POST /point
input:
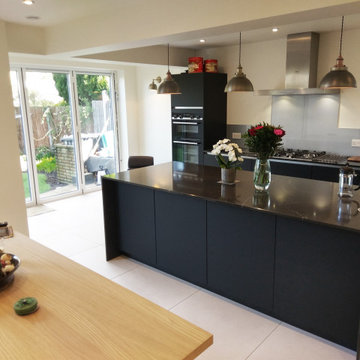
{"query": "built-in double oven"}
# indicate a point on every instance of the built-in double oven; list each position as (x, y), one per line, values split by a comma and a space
(187, 134)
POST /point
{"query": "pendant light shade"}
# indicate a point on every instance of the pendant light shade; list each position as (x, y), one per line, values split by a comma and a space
(239, 82)
(169, 85)
(152, 85)
(339, 77)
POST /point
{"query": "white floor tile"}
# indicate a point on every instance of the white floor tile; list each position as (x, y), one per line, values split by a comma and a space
(237, 330)
(289, 343)
(67, 245)
(156, 286)
(94, 259)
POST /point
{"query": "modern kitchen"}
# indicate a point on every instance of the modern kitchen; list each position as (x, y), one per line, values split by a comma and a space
(286, 249)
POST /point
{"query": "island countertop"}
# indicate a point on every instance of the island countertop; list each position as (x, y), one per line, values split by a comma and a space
(292, 252)
(305, 199)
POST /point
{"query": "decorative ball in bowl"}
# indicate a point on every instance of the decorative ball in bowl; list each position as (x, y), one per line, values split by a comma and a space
(8, 265)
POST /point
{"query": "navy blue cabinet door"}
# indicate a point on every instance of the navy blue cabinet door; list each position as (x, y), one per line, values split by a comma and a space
(181, 236)
(317, 274)
(287, 169)
(325, 173)
(133, 220)
(241, 246)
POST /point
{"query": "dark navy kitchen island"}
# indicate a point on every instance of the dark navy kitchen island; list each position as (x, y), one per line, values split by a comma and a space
(292, 253)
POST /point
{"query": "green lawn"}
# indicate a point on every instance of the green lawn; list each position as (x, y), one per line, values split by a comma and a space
(43, 185)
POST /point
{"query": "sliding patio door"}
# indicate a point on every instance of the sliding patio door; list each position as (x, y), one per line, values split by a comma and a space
(52, 133)
(66, 131)
(95, 103)
(23, 140)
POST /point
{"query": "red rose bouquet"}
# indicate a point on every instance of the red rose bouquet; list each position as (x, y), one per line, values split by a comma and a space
(263, 139)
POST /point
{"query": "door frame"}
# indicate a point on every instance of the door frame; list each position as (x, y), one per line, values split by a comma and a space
(28, 130)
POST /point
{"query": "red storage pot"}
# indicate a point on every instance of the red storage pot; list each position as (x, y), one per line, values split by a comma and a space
(211, 65)
(195, 64)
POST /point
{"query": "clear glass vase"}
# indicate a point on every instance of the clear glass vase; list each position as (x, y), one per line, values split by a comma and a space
(262, 174)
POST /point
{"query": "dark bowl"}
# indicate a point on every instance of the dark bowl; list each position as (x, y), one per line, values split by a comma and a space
(8, 278)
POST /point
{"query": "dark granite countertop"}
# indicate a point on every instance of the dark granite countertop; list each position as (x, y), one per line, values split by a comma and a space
(305, 199)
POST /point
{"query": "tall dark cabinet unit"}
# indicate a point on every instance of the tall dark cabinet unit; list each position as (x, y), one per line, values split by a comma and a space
(198, 115)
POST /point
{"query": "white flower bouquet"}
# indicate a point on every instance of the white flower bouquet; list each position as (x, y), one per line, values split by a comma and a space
(233, 151)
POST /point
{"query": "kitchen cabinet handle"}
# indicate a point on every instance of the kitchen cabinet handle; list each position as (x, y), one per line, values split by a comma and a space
(185, 142)
(188, 107)
(185, 123)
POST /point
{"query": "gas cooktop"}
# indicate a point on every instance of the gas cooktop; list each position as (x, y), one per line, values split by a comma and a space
(307, 155)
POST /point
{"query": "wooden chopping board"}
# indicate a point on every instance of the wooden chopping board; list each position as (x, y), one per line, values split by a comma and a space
(354, 158)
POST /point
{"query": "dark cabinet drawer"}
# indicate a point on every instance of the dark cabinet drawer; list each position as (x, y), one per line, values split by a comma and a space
(288, 169)
(248, 164)
(130, 220)
(241, 254)
(325, 173)
(192, 90)
(181, 236)
(210, 160)
(317, 274)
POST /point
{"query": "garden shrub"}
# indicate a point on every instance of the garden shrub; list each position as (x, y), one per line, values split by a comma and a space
(44, 152)
(47, 165)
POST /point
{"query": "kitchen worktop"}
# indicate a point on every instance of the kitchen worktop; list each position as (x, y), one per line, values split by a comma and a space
(305, 199)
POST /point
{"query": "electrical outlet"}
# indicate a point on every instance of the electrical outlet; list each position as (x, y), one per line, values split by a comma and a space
(355, 142)
(237, 135)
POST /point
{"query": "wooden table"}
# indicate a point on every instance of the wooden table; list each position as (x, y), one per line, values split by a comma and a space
(83, 315)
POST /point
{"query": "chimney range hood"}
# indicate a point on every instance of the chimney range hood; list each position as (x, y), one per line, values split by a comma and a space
(301, 67)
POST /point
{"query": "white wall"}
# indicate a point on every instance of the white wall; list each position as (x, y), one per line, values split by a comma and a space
(12, 197)
(328, 52)
(154, 131)
(264, 64)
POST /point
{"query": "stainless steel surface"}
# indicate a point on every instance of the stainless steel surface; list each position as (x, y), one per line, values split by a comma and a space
(184, 123)
(185, 142)
(301, 67)
(313, 156)
(301, 60)
(307, 91)
(193, 117)
(188, 107)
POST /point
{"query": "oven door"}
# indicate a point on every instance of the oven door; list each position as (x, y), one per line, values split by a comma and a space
(187, 151)
(183, 130)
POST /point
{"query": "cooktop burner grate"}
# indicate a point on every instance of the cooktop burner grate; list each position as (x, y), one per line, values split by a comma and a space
(307, 155)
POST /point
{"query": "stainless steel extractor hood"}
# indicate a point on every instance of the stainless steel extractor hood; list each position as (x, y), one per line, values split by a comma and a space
(301, 67)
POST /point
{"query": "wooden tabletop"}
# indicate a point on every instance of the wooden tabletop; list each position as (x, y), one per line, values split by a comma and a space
(83, 315)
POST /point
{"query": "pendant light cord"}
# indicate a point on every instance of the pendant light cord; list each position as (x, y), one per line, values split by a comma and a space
(341, 35)
(240, 49)
(168, 57)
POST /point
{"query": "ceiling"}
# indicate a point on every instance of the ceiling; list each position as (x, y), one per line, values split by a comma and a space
(54, 12)
(265, 34)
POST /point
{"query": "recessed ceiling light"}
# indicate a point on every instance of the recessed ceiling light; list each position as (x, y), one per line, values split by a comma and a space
(32, 17)
(28, 2)
(275, 29)
(202, 40)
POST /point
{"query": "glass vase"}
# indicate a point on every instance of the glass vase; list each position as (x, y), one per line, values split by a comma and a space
(262, 174)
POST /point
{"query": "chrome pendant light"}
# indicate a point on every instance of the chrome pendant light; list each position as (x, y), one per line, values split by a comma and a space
(239, 82)
(152, 85)
(339, 77)
(169, 85)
